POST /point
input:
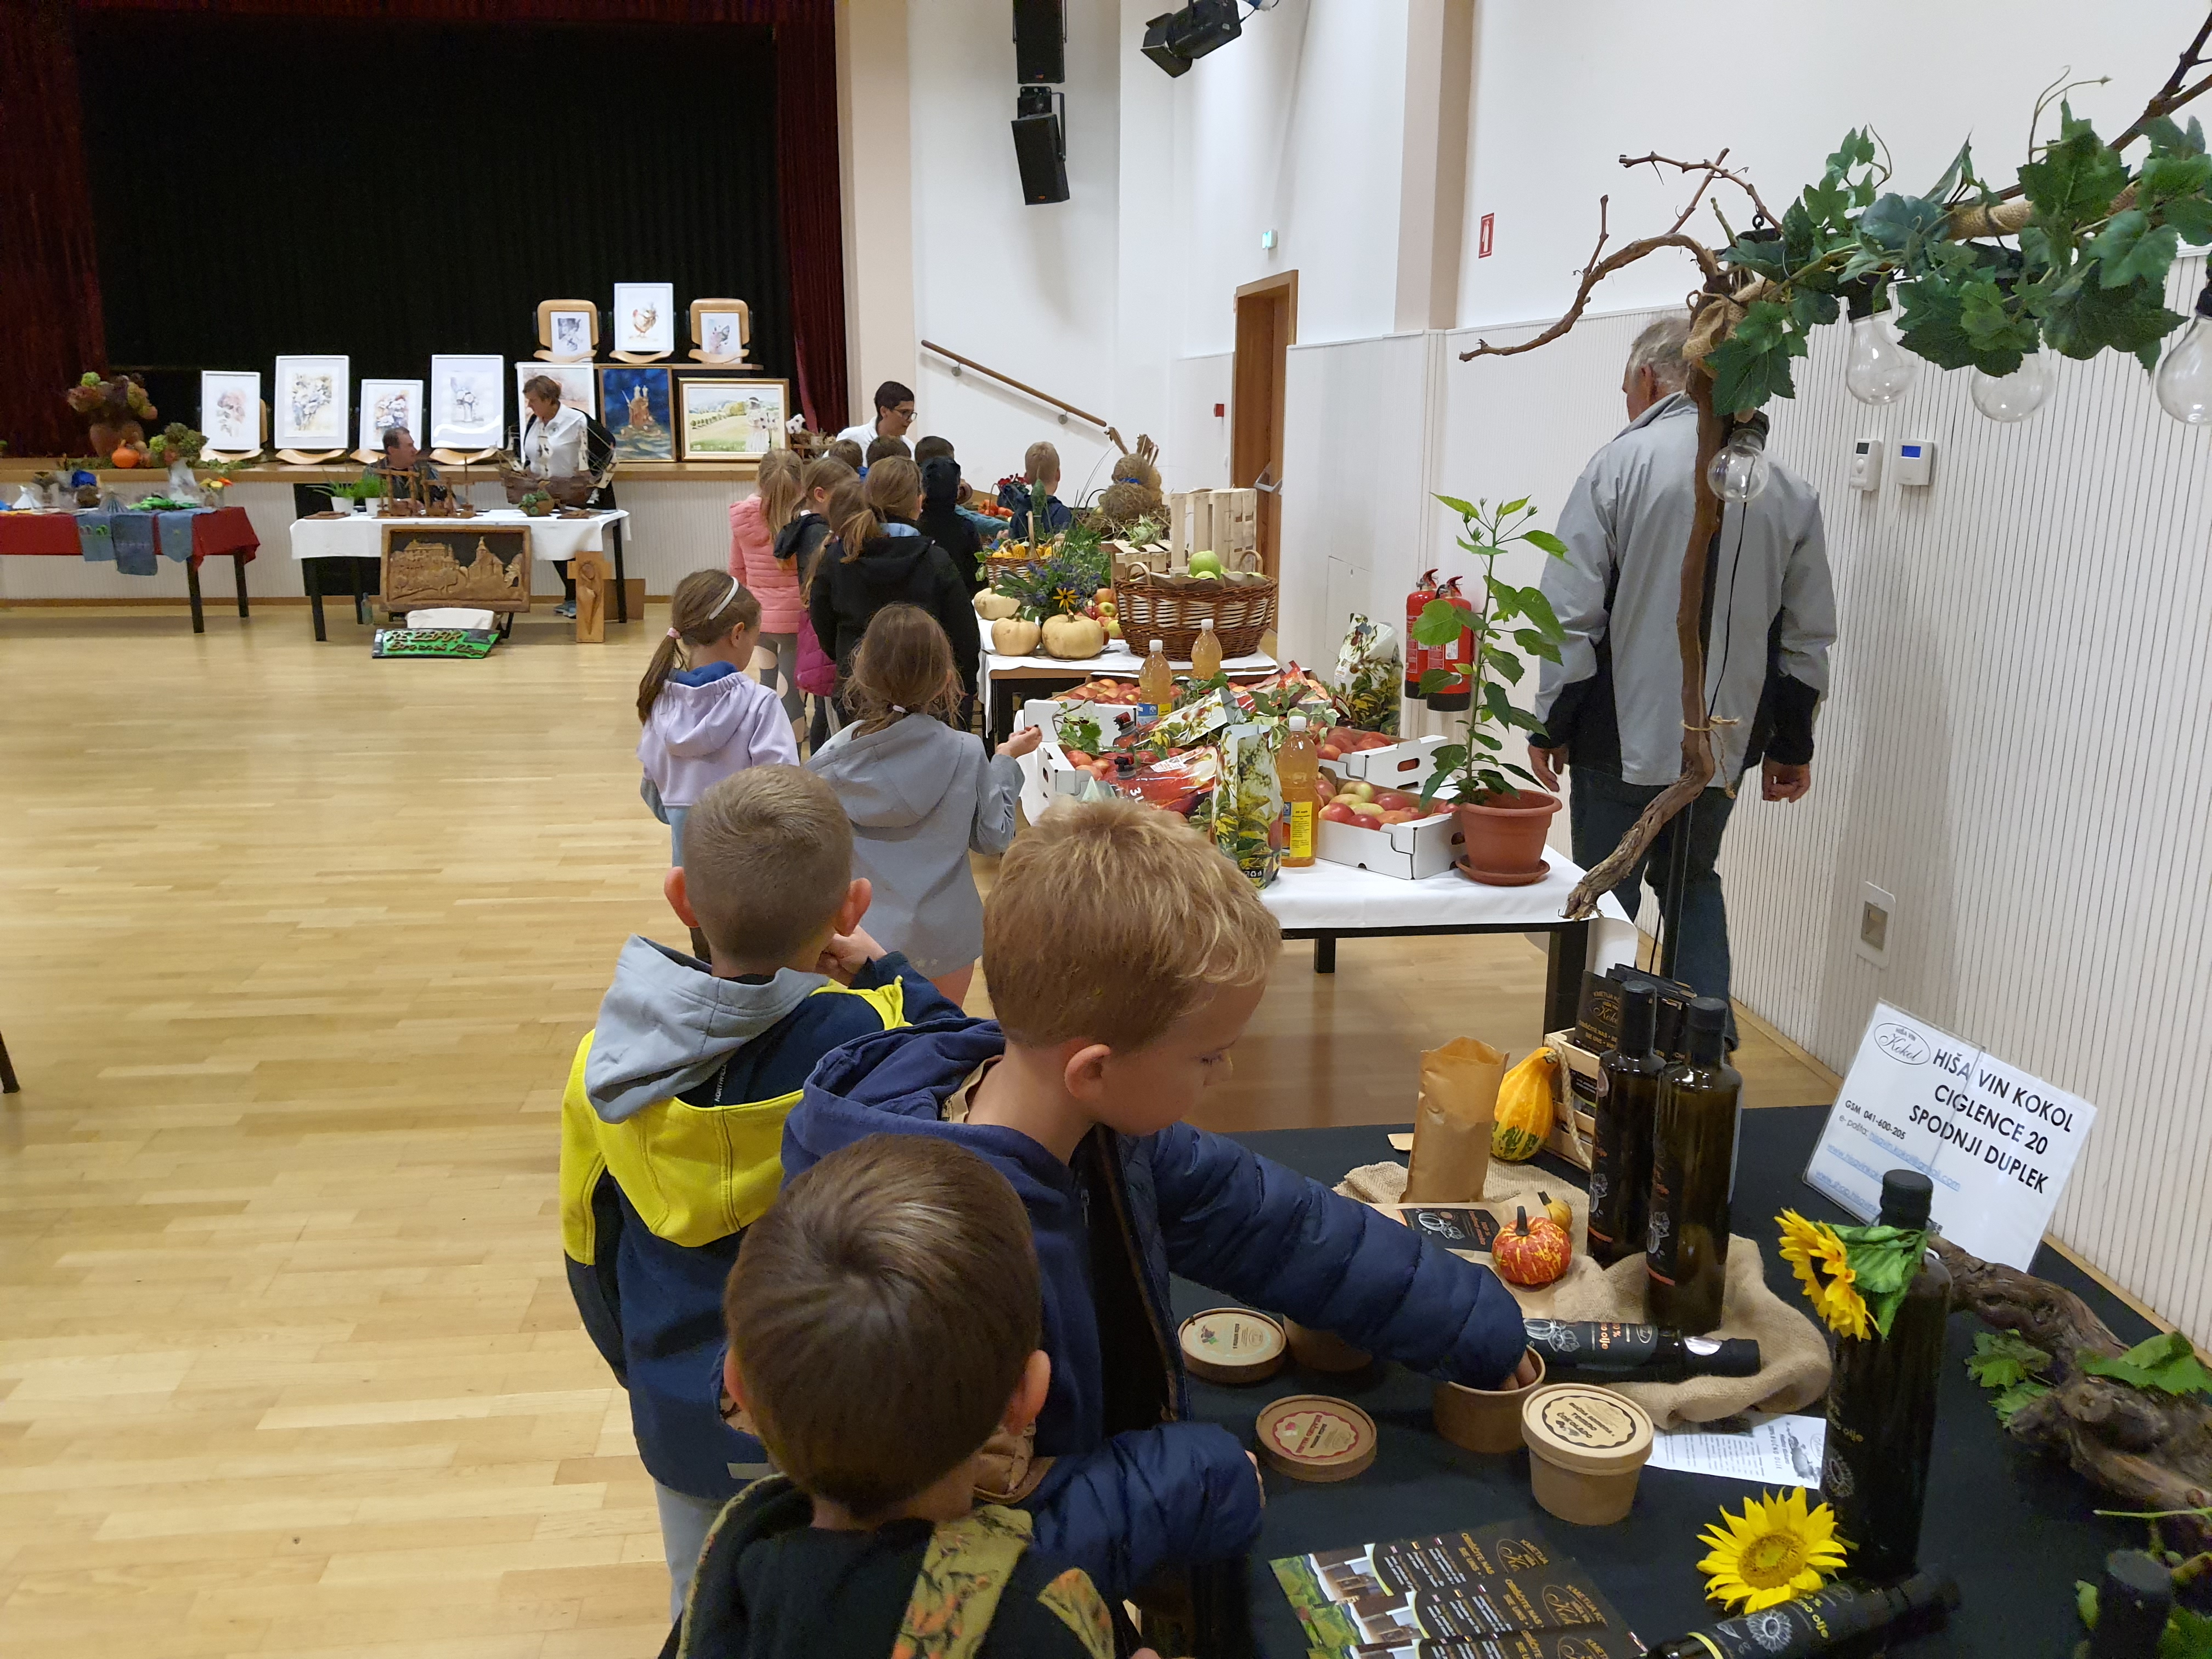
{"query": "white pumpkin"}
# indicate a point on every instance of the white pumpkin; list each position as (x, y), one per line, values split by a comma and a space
(1013, 637)
(992, 607)
(1073, 637)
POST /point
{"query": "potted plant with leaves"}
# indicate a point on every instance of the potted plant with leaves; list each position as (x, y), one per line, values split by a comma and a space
(1504, 825)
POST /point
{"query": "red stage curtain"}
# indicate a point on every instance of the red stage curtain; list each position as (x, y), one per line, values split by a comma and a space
(49, 274)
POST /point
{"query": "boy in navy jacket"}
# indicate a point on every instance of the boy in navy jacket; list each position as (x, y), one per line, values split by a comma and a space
(1124, 956)
(673, 1114)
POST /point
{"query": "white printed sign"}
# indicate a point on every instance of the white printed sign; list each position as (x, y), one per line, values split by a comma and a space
(1997, 1143)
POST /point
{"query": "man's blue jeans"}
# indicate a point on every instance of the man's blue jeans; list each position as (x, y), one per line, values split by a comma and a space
(1601, 810)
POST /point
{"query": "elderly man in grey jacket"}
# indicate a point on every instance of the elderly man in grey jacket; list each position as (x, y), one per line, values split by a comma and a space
(1612, 706)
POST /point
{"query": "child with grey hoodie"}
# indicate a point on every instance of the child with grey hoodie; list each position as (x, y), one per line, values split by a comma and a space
(920, 795)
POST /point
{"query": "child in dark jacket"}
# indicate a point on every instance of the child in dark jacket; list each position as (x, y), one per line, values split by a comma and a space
(880, 558)
(883, 1323)
(1124, 956)
(674, 1109)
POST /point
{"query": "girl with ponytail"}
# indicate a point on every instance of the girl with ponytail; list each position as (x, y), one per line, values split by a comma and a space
(756, 525)
(703, 718)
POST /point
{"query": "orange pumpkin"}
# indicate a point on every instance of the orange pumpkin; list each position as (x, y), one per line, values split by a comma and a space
(125, 457)
(1532, 1253)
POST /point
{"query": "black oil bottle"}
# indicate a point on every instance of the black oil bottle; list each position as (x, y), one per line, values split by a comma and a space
(1693, 1174)
(1620, 1146)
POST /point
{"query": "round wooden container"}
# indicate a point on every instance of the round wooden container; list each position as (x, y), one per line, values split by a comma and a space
(1484, 1420)
(1232, 1344)
(1324, 1351)
(1314, 1436)
(1587, 1449)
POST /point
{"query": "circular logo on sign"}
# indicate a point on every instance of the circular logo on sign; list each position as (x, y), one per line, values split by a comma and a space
(1314, 1433)
(1836, 1478)
(1902, 1044)
(1590, 1420)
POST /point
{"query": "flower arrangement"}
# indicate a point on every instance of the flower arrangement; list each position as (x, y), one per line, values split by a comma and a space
(1854, 1277)
(1774, 1552)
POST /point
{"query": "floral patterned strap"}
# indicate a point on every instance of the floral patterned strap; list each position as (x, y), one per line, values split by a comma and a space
(965, 1571)
(1074, 1601)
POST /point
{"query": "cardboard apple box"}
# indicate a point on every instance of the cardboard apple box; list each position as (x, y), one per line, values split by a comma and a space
(1402, 766)
(1411, 852)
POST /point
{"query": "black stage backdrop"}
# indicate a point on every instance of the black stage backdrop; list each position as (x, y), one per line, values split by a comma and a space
(390, 189)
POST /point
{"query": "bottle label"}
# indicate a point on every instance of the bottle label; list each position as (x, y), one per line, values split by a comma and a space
(1298, 829)
(1148, 712)
(1795, 1630)
(1659, 1231)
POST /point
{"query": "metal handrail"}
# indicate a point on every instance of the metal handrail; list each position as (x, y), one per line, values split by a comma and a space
(1060, 403)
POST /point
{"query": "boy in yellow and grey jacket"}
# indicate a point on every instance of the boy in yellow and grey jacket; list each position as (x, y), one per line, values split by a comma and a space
(671, 1126)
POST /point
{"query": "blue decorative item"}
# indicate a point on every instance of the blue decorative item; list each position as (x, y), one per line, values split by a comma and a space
(80, 478)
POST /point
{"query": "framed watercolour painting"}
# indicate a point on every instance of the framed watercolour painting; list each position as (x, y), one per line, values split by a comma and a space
(568, 330)
(312, 398)
(468, 402)
(637, 412)
(428, 562)
(720, 330)
(730, 420)
(645, 318)
(230, 411)
(386, 403)
(579, 386)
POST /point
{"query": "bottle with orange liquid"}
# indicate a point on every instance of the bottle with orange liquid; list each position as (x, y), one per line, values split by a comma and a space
(1206, 652)
(1155, 684)
(1297, 770)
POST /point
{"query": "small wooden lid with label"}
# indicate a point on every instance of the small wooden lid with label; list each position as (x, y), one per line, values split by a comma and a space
(1316, 1436)
(1232, 1344)
(1587, 1430)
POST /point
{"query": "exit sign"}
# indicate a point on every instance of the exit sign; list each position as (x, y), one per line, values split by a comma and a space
(1482, 242)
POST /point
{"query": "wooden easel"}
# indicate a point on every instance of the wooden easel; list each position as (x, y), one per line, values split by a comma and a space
(306, 457)
(744, 332)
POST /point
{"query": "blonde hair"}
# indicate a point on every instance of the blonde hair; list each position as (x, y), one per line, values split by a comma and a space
(1111, 921)
(889, 491)
(779, 487)
(1042, 463)
(845, 450)
(904, 665)
(767, 857)
(824, 472)
(706, 605)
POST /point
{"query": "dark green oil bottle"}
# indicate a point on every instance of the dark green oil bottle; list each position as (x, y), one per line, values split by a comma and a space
(1620, 1147)
(1881, 1408)
(1693, 1175)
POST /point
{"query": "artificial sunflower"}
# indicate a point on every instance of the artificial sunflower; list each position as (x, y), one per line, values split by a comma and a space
(1773, 1553)
(1823, 1265)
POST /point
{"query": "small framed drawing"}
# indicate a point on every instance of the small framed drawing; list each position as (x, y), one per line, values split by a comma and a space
(720, 330)
(568, 330)
(312, 398)
(645, 318)
(387, 403)
(468, 402)
(428, 563)
(636, 403)
(579, 386)
(230, 411)
(730, 420)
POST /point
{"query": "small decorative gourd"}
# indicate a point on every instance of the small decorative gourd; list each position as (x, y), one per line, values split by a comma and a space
(1531, 1253)
(1556, 1209)
(992, 607)
(1524, 1109)
(1073, 637)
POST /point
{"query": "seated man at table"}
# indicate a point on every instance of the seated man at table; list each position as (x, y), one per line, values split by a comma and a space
(402, 464)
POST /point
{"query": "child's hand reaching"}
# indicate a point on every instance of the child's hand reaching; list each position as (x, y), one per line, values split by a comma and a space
(846, 954)
(1022, 742)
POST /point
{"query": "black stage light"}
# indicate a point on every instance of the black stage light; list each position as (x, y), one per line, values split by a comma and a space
(1174, 40)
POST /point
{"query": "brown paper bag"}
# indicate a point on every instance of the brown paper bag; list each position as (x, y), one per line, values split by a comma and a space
(1451, 1124)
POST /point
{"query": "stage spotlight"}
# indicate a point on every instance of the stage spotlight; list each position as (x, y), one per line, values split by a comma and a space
(1174, 40)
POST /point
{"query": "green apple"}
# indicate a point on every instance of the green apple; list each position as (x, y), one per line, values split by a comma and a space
(1205, 562)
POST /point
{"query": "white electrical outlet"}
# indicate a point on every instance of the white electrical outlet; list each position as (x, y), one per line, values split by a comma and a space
(1877, 921)
(1866, 463)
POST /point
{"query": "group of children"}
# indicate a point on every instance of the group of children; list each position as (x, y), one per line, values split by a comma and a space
(935, 1405)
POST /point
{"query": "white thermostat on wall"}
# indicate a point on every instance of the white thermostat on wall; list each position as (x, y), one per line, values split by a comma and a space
(1916, 461)
(1866, 463)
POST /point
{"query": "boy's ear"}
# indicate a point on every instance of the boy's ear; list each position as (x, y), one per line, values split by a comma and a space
(1084, 1071)
(1028, 1394)
(858, 893)
(679, 899)
(733, 1384)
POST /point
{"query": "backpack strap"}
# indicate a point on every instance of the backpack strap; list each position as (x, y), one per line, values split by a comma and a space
(965, 1571)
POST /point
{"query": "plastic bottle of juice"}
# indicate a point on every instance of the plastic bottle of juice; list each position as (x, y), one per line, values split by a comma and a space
(1297, 768)
(1155, 684)
(1206, 652)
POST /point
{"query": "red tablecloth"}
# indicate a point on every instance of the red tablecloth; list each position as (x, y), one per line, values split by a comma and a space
(224, 531)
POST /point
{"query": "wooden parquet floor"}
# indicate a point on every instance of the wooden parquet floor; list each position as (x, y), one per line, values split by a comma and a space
(294, 947)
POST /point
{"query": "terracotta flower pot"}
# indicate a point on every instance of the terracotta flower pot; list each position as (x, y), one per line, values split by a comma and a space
(1504, 837)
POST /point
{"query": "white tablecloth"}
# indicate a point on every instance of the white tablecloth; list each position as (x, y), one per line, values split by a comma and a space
(359, 536)
(1117, 660)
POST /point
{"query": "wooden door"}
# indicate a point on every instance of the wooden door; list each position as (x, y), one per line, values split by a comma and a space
(1267, 327)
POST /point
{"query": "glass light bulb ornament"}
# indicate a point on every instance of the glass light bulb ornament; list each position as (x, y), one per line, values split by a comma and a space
(1740, 471)
(2016, 396)
(2185, 377)
(1878, 370)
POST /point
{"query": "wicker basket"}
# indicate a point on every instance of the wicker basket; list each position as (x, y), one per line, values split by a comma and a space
(1173, 609)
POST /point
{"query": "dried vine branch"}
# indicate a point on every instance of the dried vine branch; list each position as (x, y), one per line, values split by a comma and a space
(1595, 272)
(1712, 170)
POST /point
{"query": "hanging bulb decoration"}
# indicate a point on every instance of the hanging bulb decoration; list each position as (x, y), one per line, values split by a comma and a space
(2184, 378)
(2016, 396)
(1879, 370)
(1741, 470)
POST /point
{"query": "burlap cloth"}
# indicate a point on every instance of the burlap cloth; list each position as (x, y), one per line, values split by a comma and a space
(1793, 1355)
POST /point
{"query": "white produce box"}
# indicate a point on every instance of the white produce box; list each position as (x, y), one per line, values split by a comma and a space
(1411, 852)
(1402, 766)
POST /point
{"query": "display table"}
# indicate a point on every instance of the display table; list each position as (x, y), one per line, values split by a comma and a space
(359, 537)
(218, 532)
(1004, 679)
(2015, 1529)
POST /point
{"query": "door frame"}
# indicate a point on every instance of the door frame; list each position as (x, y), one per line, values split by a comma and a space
(1267, 328)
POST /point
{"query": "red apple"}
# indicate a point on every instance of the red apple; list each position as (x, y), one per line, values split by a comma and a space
(1337, 812)
(1395, 800)
(1330, 751)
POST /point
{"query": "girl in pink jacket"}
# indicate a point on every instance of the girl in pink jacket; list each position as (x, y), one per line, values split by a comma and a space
(755, 524)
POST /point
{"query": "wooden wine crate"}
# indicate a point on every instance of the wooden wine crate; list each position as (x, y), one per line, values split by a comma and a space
(1574, 1097)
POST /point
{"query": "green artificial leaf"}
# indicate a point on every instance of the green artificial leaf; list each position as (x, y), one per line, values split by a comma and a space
(2164, 176)
(1537, 609)
(1961, 320)
(1884, 1261)
(2076, 179)
(1080, 734)
(2036, 252)
(2166, 139)
(2166, 1362)
(1545, 540)
(1753, 364)
(1536, 645)
(1904, 225)
(1464, 509)
(1863, 192)
(2085, 1602)
(1961, 168)
(1507, 664)
(2127, 250)
(1855, 151)
(1440, 623)
(2190, 215)
(1434, 680)
(2010, 1400)
(1827, 204)
(1800, 236)
(1809, 308)
(2188, 1634)
(1863, 261)
(2002, 1358)
(2081, 318)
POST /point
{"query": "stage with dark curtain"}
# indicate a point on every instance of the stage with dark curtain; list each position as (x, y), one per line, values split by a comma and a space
(211, 185)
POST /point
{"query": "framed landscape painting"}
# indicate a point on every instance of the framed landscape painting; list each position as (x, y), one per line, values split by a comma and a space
(387, 403)
(635, 400)
(731, 420)
(645, 318)
(579, 386)
(313, 394)
(230, 409)
(468, 402)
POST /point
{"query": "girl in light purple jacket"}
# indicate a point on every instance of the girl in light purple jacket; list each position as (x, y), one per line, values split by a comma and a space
(707, 718)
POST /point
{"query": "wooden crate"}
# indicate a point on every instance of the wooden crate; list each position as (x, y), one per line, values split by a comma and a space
(1573, 1124)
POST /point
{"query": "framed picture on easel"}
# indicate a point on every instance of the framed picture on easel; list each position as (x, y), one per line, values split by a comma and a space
(579, 385)
(387, 403)
(468, 402)
(313, 397)
(230, 411)
(724, 419)
(636, 401)
(645, 320)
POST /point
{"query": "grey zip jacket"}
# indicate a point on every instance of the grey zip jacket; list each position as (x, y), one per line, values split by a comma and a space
(921, 796)
(1627, 525)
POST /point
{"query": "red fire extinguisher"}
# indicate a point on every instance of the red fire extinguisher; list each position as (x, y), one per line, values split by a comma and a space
(1419, 657)
(1456, 658)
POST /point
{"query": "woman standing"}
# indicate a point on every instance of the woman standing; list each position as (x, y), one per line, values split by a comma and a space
(557, 442)
(757, 526)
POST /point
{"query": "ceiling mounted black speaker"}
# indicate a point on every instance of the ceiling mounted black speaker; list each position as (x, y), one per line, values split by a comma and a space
(1174, 40)
(1040, 42)
(1042, 156)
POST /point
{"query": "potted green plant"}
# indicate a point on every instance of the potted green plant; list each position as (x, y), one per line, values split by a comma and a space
(1504, 825)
